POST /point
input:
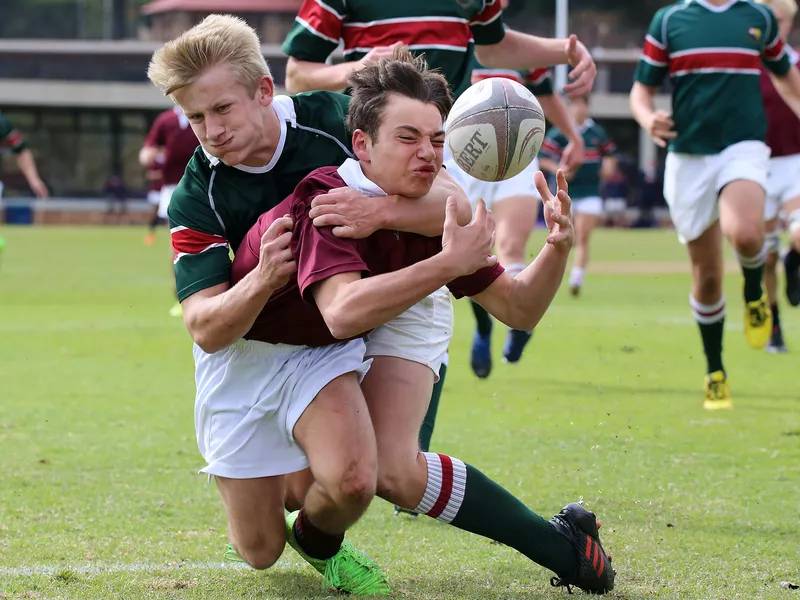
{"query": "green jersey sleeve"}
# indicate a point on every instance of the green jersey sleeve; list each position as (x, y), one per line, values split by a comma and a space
(539, 82)
(653, 64)
(201, 251)
(317, 30)
(606, 146)
(10, 138)
(487, 25)
(774, 55)
(553, 144)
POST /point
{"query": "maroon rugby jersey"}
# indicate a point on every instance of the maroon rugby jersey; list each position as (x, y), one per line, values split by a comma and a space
(171, 131)
(783, 126)
(291, 316)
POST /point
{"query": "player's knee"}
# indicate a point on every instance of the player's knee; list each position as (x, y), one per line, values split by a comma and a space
(395, 480)
(748, 239)
(772, 245)
(261, 551)
(357, 485)
(511, 248)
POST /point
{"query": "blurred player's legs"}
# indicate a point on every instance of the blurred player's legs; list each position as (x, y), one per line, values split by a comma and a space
(773, 246)
(154, 198)
(514, 205)
(709, 196)
(791, 261)
(163, 204)
(267, 410)
(587, 213)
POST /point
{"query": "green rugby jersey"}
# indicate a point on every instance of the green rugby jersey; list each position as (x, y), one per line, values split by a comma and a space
(446, 31)
(538, 81)
(713, 56)
(10, 139)
(586, 181)
(215, 205)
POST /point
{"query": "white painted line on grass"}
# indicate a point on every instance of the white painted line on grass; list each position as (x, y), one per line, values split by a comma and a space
(140, 567)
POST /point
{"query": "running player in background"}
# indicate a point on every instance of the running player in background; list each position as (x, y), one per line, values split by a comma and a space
(584, 184)
(717, 167)
(450, 34)
(173, 142)
(514, 205)
(11, 140)
(155, 179)
(783, 187)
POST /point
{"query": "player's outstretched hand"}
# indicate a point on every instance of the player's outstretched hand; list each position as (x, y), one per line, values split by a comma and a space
(572, 157)
(583, 68)
(468, 247)
(275, 262)
(351, 214)
(557, 211)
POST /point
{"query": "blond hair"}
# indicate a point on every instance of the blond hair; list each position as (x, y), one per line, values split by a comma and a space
(216, 40)
(788, 7)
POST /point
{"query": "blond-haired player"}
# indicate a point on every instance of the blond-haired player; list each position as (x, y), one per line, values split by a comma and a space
(256, 147)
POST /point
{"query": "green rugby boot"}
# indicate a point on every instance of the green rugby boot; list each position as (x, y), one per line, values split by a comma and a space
(349, 570)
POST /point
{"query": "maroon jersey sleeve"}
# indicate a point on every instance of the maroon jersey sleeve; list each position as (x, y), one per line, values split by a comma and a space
(157, 136)
(318, 253)
(247, 254)
(472, 285)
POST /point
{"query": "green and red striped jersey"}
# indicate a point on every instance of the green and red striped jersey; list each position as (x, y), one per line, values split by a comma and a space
(585, 183)
(215, 205)
(713, 56)
(446, 31)
(538, 81)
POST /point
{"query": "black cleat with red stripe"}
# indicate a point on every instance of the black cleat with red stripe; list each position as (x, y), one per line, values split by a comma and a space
(594, 573)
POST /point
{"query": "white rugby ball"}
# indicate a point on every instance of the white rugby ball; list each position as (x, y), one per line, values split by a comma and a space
(495, 129)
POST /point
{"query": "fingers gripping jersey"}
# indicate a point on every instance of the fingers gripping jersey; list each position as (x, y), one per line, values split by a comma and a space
(713, 56)
(215, 205)
(446, 31)
(597, 144)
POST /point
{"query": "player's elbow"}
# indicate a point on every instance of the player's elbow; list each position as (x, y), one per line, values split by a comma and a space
(341, 324)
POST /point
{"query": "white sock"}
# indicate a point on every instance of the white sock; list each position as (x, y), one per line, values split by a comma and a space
(576, 276)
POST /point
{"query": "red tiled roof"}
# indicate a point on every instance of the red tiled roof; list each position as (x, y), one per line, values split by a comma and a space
(223, 6)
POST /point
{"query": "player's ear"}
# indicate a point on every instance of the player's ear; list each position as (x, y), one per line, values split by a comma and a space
(361, 145)
(265, 91)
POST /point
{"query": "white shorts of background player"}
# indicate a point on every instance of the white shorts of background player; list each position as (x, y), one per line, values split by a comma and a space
(692, 183)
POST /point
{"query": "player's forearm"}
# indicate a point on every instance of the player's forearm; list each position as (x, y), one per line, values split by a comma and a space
(789, 89)
(642, 102)
(556, 112)
(425, 215)
(27, 165)
(530, 293)
(215, 322)
(370, 302)
(522, 51)
(304, 76)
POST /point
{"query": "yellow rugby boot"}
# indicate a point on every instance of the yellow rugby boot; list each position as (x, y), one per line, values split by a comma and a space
(718, 395)
(758, 322)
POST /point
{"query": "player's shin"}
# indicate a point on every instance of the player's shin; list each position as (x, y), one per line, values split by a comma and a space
(461, 495)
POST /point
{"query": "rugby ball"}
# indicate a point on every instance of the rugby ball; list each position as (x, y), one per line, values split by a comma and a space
(495, 129)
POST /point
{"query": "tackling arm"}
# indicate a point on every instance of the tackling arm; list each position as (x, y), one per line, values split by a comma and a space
(306, 76)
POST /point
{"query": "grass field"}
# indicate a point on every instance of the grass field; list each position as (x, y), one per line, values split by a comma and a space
(100, 497)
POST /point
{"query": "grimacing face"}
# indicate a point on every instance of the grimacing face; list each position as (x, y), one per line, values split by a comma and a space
(408, 150)
(579, 110)
(225, 117)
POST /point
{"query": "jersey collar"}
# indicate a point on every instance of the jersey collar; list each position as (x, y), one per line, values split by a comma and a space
(714, 8)
(354, 177)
